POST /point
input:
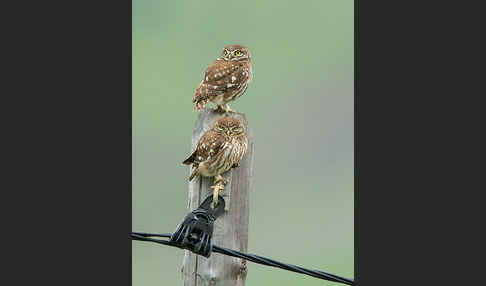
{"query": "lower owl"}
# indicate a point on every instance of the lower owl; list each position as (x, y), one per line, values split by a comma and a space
(218, 150)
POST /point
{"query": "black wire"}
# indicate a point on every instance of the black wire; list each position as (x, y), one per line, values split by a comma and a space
(144, 234)
(251, 257)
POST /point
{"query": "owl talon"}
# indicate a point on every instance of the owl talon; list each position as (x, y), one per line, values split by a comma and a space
(219, 110)
(217, 189)
(224, 109)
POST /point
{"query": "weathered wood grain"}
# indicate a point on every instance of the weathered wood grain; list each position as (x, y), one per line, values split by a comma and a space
(230, 229)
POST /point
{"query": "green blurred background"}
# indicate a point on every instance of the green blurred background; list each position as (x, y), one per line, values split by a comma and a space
(299, 105)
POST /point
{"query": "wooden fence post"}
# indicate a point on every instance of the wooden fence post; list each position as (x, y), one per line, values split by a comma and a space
(230, 229)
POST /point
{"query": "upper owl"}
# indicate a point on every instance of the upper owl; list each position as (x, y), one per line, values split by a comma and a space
(225, 79)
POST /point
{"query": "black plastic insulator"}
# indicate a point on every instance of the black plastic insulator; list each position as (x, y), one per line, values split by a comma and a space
(195, 231)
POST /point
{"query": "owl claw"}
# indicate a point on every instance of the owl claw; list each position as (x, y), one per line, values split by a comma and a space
(217, 189)
(224, 109)
(219, 110)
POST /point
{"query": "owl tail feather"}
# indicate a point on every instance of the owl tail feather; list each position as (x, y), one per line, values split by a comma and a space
(194, 173)
(200, 104)
(190, 160)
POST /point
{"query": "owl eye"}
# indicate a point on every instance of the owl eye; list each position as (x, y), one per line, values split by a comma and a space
(225, 52)
(238, 53)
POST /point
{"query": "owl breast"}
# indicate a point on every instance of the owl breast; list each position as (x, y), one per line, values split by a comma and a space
(238, 82)
(232, 153)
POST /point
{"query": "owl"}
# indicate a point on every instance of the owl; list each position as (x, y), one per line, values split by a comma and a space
(218, 150)
(225, 79)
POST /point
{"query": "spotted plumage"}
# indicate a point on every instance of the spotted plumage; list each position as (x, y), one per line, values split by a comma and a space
(225, 79)
(219, 149)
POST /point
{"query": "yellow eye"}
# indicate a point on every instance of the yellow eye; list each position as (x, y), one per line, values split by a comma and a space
(238, 53)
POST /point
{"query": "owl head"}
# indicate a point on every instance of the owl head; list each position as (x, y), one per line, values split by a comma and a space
(229, 126)
(235, 53)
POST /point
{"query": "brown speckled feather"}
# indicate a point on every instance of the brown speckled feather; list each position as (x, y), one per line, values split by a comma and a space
(208, 145)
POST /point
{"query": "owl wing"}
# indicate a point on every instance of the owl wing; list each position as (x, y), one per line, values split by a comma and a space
(208, 146)
(221, 77)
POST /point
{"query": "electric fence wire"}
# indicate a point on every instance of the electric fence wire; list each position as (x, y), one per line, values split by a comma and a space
(141, 236)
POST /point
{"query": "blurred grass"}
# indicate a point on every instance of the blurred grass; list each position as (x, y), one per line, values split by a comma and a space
(300, 106)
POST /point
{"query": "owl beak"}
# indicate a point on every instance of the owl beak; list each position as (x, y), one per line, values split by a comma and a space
(230, 56)
(228, 132)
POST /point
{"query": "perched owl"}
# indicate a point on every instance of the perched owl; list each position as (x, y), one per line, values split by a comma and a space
(218, 150)
(225, 79)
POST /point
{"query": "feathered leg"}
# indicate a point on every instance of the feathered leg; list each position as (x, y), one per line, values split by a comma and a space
(224, 108)
(218, 188)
